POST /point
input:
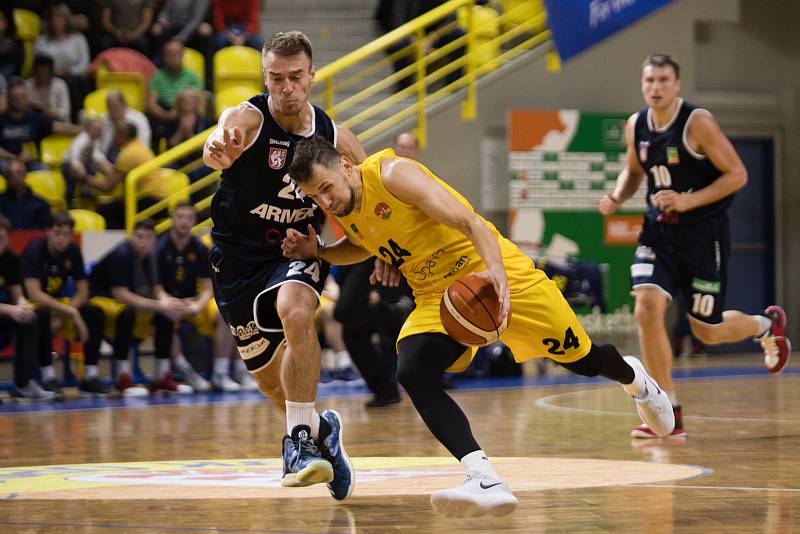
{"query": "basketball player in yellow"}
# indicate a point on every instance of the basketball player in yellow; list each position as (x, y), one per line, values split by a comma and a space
(397, 209)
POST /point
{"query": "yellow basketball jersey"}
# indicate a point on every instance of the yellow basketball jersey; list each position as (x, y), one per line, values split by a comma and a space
(429, 254)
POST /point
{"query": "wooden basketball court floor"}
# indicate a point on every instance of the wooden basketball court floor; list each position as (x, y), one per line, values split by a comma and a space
(210, 464)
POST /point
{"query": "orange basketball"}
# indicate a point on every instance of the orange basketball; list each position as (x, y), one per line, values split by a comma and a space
(470, 311)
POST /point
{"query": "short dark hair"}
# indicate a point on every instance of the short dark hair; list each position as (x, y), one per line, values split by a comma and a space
(130, 129)
(184, 204)
(62, 218)
(16, 81)
(287, 44)
(5, 224)
(145, 224)
(663, 60)
(42, 60)
(310, 152)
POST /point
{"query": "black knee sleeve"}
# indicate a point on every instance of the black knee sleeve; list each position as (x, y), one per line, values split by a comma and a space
(603, 359)
(423, 358)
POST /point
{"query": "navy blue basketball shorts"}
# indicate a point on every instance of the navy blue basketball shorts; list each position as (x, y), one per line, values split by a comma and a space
(688, 259)
(245, 292)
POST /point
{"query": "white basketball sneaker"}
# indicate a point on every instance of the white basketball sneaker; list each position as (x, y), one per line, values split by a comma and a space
(654, 406)
(478, 495)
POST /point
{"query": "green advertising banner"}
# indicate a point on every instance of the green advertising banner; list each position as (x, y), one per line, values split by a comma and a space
(561, 163)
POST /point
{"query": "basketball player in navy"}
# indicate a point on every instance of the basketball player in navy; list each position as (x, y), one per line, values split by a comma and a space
(268, 300)
(692, 173)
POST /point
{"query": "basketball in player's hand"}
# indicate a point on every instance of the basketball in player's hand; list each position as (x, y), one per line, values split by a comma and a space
(470, 311)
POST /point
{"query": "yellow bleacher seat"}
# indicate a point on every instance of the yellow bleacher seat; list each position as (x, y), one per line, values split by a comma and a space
(131, 84)
(53, 148)
(237, 66)
(233, 96)
(195, 62)
(176, 182)
(95, 102)
(486, 22)
(527, 10)
(49, 185)
(3, 184)
(87, 220)
(28, 26)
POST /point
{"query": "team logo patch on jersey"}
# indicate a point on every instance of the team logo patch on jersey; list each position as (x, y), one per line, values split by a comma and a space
(277, 157)
(383, 210)
(672, 155)
(643, 146)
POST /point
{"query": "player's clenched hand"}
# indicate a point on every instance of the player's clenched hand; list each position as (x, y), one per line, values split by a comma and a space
(385, 274)
(229, 148)
(668, 201)
(500, 283)
(608, 204)
(298, 246)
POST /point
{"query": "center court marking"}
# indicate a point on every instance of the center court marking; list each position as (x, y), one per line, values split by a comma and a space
(376, 477)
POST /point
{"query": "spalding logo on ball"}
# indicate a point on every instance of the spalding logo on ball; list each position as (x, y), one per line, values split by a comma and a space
(470, 311)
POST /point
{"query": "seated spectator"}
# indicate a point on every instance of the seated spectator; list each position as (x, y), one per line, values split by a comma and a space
(21, 128)
(48, 94)
(165, 85)
(18, 323)
(406, 145)
(126, 23)
(55, 281)
(119, 111)
(132, 153)
(80, 12)
(191, 120)
(12, 51)
(184, 20)
(123, 284)
(69, 50)
(25, 210)
(78, 162)
(236, 22)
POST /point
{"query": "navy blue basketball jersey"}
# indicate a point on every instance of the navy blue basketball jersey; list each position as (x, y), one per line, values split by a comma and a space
(257, 201)
(671, 164)
(179, 271)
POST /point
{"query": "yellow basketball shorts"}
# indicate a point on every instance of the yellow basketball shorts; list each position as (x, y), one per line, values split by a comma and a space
(542, 323)
(142, 328)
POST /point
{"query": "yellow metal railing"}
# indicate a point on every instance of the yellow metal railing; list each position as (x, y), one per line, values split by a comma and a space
(358, 90)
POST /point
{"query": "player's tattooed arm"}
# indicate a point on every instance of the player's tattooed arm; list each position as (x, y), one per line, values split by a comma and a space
(348, 144)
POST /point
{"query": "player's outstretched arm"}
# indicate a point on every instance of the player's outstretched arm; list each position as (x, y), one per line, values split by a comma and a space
(629, 179)
(236, 130)
(407, 181)
(298, 246)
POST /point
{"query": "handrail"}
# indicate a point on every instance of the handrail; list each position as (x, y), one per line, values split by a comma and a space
(349, 92)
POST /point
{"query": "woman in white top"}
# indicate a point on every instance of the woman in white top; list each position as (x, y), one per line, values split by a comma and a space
(47, 93)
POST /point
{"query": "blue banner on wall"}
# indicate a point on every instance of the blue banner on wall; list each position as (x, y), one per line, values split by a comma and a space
(580, 24)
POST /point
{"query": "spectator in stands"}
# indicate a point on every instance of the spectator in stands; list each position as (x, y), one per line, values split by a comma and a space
(236, 22)
(184, 20)
(132, 153)
(21, 128)
(126, 23)
(78, 162)
(123, 284)
(80, 11)
(18, 322)
(119, 111)
(69, 50)
(406, 145)
(12, 52)
(184, 275)
(191, 118)
(55, 281)
(24, 209)
(48, 94)
(3, 94)
(165, 85)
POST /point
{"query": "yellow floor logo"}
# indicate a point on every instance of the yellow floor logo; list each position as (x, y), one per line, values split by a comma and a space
(375, 476)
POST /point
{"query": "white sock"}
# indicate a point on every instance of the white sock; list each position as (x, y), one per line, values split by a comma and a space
(90, 371)
(123, 367)
(477, 462)
(764, 324)
(239, 369)
(47, 373)
(221, 365)
(162, 367)
(638, 387)
(302, 413)
(342, 360)
(182, 363)
(673, 398)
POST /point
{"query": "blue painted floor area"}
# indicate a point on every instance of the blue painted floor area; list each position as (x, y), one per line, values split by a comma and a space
(10, 406)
